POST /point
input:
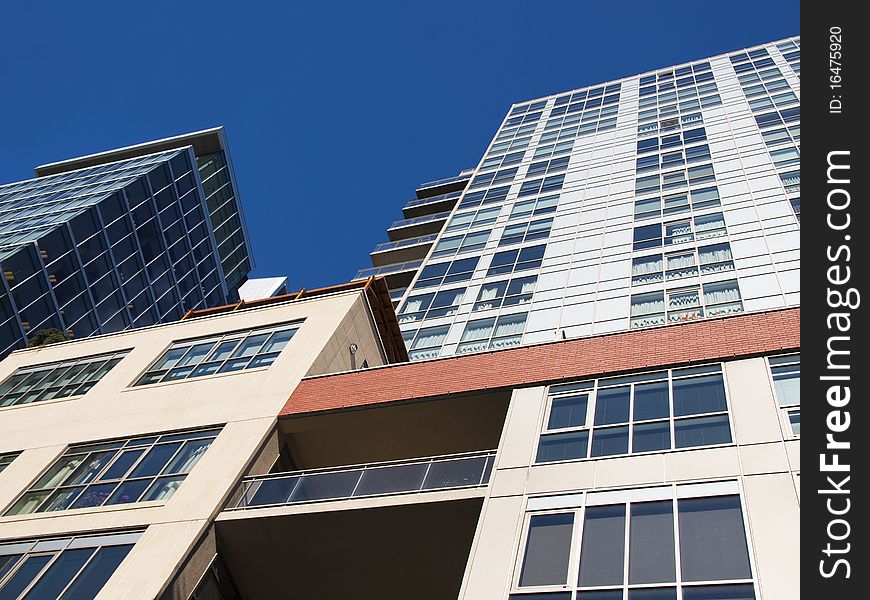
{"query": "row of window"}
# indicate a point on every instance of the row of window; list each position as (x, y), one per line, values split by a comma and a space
(700, 227)
(651, 412)
(118, 472)
(490, 333)
(657, 543)
(198, 357)
(667, 160)
(693, 200)
(685, 303)
(56, 380)
(704, 260)
(685, 138)
(72, 568)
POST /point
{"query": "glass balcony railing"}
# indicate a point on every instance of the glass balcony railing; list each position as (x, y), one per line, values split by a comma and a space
(383, 247)
(430, 200)
(411, 265)
(463, 175)
(361, 481)
(418, 220)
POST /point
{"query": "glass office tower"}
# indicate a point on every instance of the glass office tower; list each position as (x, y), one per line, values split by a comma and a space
(97, 244)
(661, 198)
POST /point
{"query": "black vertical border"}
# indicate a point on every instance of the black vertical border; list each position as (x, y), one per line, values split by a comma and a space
(826, 254)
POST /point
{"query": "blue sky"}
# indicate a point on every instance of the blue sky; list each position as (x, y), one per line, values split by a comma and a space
(334, 111)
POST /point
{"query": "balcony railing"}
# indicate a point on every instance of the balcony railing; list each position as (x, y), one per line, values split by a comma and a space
(383, 247)
(463, 175)
(430, 200)
(411, 265)
(361, 481)
(418, 220)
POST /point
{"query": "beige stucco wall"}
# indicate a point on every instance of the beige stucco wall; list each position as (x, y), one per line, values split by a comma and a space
(246, 402)
(763, 459)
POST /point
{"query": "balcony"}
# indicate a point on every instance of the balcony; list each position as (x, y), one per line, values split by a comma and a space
(419, 207)
(377, 479)
(427, 224)
(385, 270)
(388, 253)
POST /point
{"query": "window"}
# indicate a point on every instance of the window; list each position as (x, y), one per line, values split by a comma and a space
(642, 544)
(56, 380)
(493, 178)
(426, 343)
(76, 567)
(429, 306)
(447, 272)
(677, 232)
(686, 303)
(481, 197)
(516, 260)
(472, 219)
(526, 232)
(550, 150)
(786, 373)
(646, 412)
(548, 166)
(458, 244)
(796, 207)
(116, 472)
(506, 293)
(676, 265)
(534, 207)
(492, 333)
(6, 459)
(220, 354)
(539, 186)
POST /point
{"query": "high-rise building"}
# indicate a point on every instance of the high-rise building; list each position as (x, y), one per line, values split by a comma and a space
(121, 239)
(664, 197)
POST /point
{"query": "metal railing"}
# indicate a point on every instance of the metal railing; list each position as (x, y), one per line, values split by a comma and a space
(471, 469)
(384, 246)
(418, 220)
(411, 265)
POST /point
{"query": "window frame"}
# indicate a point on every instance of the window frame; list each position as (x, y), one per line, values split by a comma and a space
(590, 388)
(140, 446)
(217, 340)
(577, 505)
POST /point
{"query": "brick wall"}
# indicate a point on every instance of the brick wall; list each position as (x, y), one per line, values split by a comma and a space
(725, 338)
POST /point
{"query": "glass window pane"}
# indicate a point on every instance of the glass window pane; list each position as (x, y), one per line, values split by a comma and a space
(568, 412)
(122, 464)
(603, 549)
(651, 546)
(610, 441)
(651, 436)
(611, 405)
(563, 446)
(719, 592)
(185, 460)
(95, 495)
(278, 341)
(163, 488)
(712, 539)
(699, 395)
(155, 460)
(129, 491)
(250, 346)
(58, 576)
(90, 581)
(651, 401)
(787, 383)
(547, 550)
(23, 576)
(653, 594)
(702, 431)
